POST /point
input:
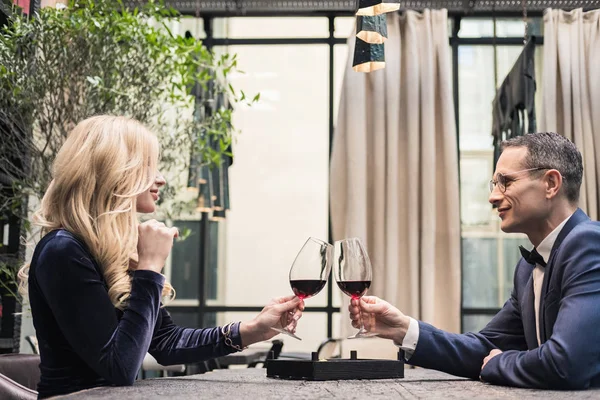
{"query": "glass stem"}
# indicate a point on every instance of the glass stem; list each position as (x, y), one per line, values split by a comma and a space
(362, 325)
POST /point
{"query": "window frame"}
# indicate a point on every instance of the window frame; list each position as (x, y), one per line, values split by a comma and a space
(204, 308)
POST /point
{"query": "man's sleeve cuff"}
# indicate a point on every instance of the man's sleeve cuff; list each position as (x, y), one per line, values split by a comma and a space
(409, 344)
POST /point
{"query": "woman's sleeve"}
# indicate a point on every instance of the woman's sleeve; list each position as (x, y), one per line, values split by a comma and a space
(173, 344)
(78, 298)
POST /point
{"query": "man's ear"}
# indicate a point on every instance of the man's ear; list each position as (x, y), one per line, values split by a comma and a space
(553, 181)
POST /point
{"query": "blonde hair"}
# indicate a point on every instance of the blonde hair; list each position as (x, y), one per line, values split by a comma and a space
(105, 163)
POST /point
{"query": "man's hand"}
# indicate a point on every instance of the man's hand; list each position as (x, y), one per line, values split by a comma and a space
(492, 354)
(379, 317)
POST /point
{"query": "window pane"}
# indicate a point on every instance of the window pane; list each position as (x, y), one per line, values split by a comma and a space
(344, 26)
(185, 319)
(337, 320)
(505, 27)
(476, 170)
(514, 27)
(272, 27)
(185, 261)
(211, 274)
(336, 294)
(480, 272)
(475, 323)
(511, 256)
(507, 56)
(279, 176)
(476, 27)
(194, 25)
(189, 318)
(476, 85)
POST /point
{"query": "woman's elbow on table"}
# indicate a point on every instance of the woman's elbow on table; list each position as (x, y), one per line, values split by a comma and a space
(124, 380)
(121, 376)
(166, 358)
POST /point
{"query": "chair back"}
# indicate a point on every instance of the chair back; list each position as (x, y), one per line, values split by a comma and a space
(19, 376)
(11, 390)
(24, 369)
(330, 348)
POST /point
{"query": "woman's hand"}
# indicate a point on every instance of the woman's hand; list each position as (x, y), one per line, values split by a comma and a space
(279, 313)
(155, 241)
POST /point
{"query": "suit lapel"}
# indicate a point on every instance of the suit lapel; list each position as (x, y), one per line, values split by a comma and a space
(528, 315)
(578, 217)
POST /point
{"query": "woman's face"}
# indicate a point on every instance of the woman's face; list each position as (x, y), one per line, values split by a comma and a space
(146, 201)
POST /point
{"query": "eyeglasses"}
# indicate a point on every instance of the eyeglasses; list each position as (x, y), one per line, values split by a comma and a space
(502, 180)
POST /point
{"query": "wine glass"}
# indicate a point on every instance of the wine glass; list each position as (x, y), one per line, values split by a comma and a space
(353, 273)
(309, 272)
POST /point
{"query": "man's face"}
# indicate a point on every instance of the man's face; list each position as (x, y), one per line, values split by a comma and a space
(523, 203)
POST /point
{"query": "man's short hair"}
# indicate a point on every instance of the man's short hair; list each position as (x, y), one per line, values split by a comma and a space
(553, 151)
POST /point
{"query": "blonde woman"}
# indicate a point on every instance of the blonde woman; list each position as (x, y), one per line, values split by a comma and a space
(94, 281)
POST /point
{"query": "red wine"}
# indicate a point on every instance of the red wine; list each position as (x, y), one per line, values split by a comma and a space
(305, 288)
(354, 289)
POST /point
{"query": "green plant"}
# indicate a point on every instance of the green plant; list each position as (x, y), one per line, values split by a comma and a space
(100, 57)
(8, 274)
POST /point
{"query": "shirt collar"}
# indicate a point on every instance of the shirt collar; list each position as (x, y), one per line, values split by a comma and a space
(546, 246)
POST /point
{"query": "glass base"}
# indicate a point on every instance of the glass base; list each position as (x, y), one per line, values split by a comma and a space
(362, 334)
(286, 332)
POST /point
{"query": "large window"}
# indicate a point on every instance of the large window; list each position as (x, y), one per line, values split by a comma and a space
(279, 180)
(488, 255)
(279, 177)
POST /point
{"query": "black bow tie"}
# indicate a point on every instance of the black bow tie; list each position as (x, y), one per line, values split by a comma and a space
(532, 257)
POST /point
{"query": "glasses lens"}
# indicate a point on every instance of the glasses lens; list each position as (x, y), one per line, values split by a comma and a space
(501, 182)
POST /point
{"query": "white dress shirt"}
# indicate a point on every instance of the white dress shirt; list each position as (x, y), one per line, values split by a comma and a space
(538, 273)
(409, 344)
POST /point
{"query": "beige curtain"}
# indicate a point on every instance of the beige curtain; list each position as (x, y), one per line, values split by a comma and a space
(394, 170)
(571, 90)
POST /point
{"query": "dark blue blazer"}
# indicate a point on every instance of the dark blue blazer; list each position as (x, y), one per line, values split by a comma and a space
(569, 321)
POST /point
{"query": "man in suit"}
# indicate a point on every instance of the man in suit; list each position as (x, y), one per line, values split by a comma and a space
(547, 334)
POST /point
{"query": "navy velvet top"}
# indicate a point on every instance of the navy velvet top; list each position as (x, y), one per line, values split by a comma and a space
(84, 341)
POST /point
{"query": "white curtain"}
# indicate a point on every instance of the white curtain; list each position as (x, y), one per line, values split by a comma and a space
(394, 170)
(571, 90)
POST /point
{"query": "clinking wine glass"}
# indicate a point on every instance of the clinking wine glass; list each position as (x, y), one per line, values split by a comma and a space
(353, 273)
(309, 272)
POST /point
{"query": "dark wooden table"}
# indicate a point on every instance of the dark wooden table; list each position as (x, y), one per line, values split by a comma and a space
(252, 383)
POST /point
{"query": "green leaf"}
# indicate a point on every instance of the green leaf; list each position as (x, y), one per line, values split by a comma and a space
(99, 57)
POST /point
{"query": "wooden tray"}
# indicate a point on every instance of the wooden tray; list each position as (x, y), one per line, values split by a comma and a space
(336, 368)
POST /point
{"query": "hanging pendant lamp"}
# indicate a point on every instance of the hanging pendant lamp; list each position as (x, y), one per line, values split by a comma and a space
(372, 29)
(376, 7)
(368, 57)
